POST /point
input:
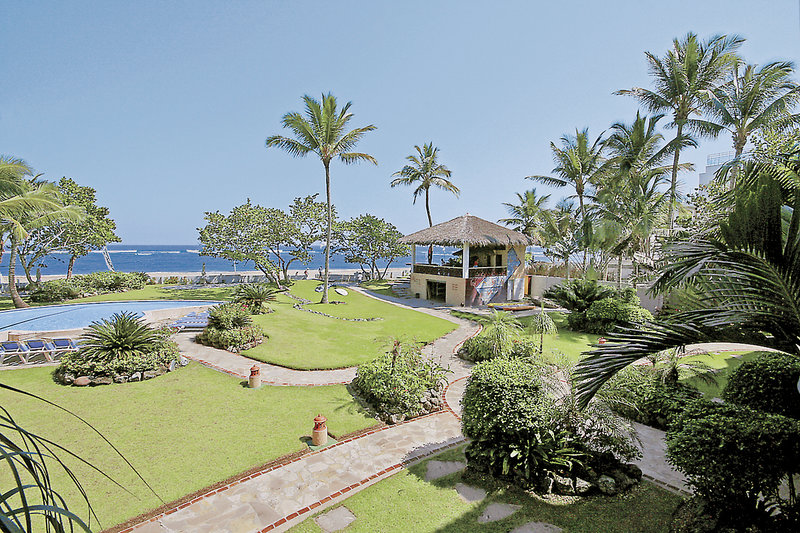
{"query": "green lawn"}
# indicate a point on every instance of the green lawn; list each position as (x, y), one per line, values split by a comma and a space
(183, 431)
(405, 503)
(302, 340)
(725, 363)
(377, 286)
(568, 342)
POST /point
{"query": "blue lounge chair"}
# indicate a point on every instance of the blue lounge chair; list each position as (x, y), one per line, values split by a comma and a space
(13, 353)
(62, 346)
(40, 351)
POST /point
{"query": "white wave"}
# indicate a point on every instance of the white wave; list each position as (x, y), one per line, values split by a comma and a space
(144, 253)
(115, 251)
(193, 251)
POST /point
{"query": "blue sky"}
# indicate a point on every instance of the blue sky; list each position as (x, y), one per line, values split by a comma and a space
(164, 107)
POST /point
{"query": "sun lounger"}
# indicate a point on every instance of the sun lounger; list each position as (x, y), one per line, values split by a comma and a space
(40, 351)
(13, 353)
(62, 346)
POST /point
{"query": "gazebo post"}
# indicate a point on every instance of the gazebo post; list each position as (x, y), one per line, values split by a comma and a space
(413, 256)
(465, 262)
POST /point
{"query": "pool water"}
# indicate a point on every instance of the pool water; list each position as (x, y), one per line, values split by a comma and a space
(74, 316)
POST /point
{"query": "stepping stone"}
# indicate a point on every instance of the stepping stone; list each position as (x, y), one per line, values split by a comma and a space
(498, 511)
(437, 469)
(537, 527)
(335, 520)
(470, 494)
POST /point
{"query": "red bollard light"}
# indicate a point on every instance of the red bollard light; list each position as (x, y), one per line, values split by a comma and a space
(319, 436)
(254, 381)
(601, 340)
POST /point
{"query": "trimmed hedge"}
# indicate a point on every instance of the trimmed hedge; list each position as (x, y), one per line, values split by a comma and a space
(767, 383)
(230, 327)
(58, 290)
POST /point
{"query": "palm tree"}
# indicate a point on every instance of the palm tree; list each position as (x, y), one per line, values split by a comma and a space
(579, 165)
(427, 172)
(323, 131)
(631, 204)
(753, 99)
(527, 215)
(560, 233)
(745, 281)
(682, 79)
(25, 204)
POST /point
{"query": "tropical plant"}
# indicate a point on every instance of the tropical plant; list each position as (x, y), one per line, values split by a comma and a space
(425, 172)
(578, 294)
(500, 331)
(579, 164)
(25, 204)
(751, 100)
(542, 324)
(255, 297)
(124, 335)
(366, 240)
(229, 316)
(560, 231)
(767, 383)
(527, 216)
(677, 364)
(745, 284)
(323, 131)
(682, 79)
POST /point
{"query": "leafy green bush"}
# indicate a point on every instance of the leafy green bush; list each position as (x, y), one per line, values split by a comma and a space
(524, 346)
(229, 316)
(121, 345)
(396, 383)
(767, 383)
(58, 290)
(502, 337)
(234, 339)
(603, 315)
(649, 400)
(736, 458)
(254, 297)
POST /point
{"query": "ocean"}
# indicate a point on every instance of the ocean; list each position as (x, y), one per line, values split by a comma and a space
(187, 258)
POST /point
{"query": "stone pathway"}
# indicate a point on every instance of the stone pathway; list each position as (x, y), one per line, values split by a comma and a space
(239, 366)
(654, 460)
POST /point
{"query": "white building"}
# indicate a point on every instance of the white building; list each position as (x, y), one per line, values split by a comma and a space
(714, 163)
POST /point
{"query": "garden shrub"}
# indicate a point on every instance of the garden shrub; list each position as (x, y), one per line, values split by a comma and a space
(401, 383)
(233, 340)
(767, 383)
(736, 458)
(603, 315)
(230, 327)
(524, 346)
(229, 316)
(58, 290)
(502, 337)
(123, 344)
(577, 295)
(254, 297)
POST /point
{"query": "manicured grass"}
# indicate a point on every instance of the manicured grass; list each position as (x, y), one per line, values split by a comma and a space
(725, 363)
(379, 287)
(302, 340)
(408, 504)
(183, 431)
(568, 342)
(163, 292)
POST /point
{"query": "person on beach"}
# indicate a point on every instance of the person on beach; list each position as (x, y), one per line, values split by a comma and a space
(320, 272)
(305, 274)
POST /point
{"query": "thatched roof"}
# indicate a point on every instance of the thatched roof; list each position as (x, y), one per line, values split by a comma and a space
(467, 229)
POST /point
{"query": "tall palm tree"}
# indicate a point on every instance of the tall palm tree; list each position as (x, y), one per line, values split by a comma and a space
(561, 229)
(25, 203)
(745, 280)
(752, 99)
(323, 131)
(682, 79)
(578, 165)
(527, 215)
(425, 171)
(631, 204)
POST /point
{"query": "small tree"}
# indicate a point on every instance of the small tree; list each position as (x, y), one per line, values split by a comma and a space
(366, 240)
(76, 238)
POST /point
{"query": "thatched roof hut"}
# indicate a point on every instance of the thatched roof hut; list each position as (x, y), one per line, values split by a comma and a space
(469, 230)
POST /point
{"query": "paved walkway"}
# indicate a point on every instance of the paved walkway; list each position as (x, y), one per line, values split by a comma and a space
(279, 497)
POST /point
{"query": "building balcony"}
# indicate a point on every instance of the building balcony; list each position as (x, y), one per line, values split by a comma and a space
(457, 271)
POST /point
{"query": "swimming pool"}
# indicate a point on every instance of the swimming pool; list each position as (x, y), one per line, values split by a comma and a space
(74, 316)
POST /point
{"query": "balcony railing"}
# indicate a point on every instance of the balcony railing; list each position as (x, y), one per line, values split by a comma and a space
(457, 272)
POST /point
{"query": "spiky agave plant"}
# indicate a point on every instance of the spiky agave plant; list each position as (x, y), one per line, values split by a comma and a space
(501, 329)
(124, 335)
(255, 296)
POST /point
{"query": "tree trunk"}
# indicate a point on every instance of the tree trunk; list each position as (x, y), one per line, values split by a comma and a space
(328, 233)
(583, 231)
(26, 267)
(674, 183)
(12, 280)
(430, 225)
(738, 146)
(566, 266)
(619, 271)
(72, 264)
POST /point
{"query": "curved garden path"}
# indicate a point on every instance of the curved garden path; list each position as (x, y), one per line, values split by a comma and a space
(280, 496)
